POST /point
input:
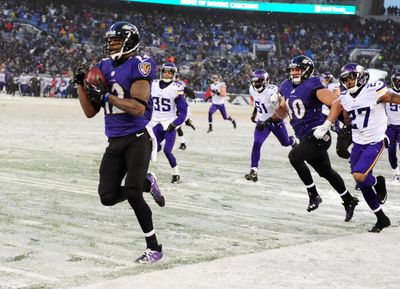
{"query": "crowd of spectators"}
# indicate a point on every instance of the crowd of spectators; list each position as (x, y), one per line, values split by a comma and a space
(52, 38)
(393, 11)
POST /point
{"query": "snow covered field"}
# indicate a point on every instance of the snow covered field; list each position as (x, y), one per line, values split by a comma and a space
(217, 229)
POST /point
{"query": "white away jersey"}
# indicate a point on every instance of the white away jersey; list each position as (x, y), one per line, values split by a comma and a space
(216, 87)
(164, 106)
(262, 101)
(368, 118)
(393, 111)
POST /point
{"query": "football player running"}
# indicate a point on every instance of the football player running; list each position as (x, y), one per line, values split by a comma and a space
(267, 121)
(170, 110)
(127, 113)
(303, 97)
(393, 129)
(364, 106)
(218, 96)
(191, 94)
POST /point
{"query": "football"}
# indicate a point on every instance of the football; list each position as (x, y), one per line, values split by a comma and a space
(95, 78)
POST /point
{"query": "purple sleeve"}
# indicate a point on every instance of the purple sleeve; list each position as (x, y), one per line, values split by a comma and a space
(181, 106)
(316, 83)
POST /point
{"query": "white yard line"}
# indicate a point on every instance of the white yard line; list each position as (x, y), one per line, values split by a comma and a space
(103, 258)
(28, 274)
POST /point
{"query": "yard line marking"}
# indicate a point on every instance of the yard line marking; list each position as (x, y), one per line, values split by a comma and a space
(103, 258)
(29, 274)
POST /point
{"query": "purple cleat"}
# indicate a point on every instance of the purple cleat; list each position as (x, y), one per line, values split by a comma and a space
(150, 256)
(155, 190)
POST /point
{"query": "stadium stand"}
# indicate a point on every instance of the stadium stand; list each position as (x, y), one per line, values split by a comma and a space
(41, 37)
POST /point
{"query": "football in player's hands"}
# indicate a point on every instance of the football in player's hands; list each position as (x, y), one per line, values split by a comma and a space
(95, 85)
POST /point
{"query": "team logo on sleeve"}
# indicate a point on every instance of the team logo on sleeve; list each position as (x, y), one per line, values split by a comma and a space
(144, 68)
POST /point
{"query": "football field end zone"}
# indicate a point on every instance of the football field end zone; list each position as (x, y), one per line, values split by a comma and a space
(362, 261)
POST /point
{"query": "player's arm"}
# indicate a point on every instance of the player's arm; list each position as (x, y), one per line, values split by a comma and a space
(189, 92)
(390, 97)
(332, 101)
(222, 91)
(136, 105)
(182, 108)
(88, 107)
(280, 110)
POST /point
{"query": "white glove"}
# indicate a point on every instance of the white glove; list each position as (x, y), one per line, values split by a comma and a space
(276, 100)
(322, 129)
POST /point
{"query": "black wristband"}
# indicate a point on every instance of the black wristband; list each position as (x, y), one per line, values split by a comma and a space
(141, 101)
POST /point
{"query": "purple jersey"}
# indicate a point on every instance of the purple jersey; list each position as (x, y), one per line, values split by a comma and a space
(303, 106)
(120, 78)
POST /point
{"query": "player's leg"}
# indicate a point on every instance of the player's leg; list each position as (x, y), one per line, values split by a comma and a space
(137, 158)
(259, 139)
(297, 158)
(280, 132)
(225, 116)
(213, 108)
(323, 167)
(362, 160)
(159, 133)
(112, 171)
(169, 145)
(393, 133)
(182, 145)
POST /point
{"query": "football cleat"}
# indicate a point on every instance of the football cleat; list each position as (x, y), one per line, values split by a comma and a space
(380, 189)
(155, 190)
(314, 203)
(149, 256)
(380, 225)
(252, 176)
(175, 179)
(349, 208)
(234, 123)
(190, 123)
(182, 146)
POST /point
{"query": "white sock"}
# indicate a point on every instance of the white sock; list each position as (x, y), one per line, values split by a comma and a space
(175, 171)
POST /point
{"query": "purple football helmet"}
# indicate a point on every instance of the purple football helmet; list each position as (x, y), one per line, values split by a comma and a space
(169, 66)
(327, 76)
(259, 79)
(358, 72)
(395, 81)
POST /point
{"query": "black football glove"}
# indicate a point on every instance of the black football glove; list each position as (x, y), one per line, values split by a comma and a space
(215, 91)
(95, 93)
(253, 118)
(262, 125)
(190, 123)
(343, 142)
(171, 127)
(80, 73)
